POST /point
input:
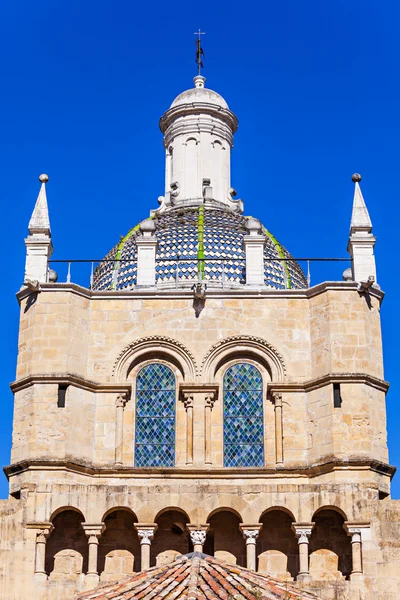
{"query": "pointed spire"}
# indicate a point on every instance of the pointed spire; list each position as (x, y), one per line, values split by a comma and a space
(38, 244)
(40, 222)
(361, 241)
(360, 219)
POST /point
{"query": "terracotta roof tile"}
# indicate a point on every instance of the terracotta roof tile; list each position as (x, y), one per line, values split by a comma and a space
(198, 577)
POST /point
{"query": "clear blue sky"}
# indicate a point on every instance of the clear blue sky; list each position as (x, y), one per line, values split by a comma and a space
(315, 85)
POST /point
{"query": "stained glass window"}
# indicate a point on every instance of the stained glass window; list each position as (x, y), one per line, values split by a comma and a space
(243, 417)
(155, 417)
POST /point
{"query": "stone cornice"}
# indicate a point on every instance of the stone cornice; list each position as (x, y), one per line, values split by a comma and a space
(325, 465)
(313, 384)
(95, 386)
(69, 379)
(162, 294)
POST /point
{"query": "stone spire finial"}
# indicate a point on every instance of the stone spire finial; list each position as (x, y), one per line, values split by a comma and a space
(360, 219)
(40, 222)
(361, 241)
(38, 243)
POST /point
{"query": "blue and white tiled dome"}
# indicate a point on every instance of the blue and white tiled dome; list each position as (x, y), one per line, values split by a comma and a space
(177, 254)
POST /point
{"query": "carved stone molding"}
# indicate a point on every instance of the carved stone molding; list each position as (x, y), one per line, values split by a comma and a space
(155, 343)
(230, 345)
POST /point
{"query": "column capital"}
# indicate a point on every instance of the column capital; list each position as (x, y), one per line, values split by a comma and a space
(303, 531)
(198, 533)
(250, 532)
(210, 398)
(355, 529)
(121, 399)
(277, 398)
(187, 399)
(42, 527)
(146, 532)
(93, 531)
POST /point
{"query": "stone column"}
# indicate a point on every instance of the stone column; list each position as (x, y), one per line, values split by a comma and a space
(40, 551)
(188, 400)
(250, 534)
(93, 531)
(355, 532)
(303, 533)
(198, 534)
(277, 396)
(119, 428)
(146, 535)
(209, 399)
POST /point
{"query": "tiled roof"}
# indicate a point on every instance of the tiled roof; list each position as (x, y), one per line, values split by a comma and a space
(177, 233)
(198, 577)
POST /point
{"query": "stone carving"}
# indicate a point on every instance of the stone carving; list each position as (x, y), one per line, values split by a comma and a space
(277, 396)
(121, 400)
(199, 290)
(198, 537)
(236, 204)
(154, 342)
(210, 399)
(42, 536)
(145, 535)
(187, 399)
(303, 535)
(250, 535)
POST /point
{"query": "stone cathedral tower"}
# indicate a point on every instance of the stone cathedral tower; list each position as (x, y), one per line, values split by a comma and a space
(199, 395)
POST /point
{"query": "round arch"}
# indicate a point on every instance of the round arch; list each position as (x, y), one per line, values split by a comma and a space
(171, 509)
(151, 348)
(65, 508)
(242, 347)
(280, 509)
(115, 508)
(332, 508)
(224, 509)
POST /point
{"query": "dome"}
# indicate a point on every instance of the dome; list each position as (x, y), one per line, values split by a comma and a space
(177, 254)
(199, 94)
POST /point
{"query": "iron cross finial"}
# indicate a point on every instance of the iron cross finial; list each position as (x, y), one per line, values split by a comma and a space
(199, 50)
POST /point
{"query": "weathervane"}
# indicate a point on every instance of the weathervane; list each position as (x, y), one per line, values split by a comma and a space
(199, 50)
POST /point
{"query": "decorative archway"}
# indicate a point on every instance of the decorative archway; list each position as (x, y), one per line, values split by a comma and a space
(154, 347)
(242, 347)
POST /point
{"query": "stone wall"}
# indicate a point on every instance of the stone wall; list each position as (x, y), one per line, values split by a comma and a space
(74, 469)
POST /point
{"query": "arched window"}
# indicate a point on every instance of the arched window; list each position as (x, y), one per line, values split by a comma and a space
(243, 417)
(155, 417)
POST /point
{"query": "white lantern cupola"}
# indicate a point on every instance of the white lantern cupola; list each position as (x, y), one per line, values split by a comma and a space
(198, 133)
